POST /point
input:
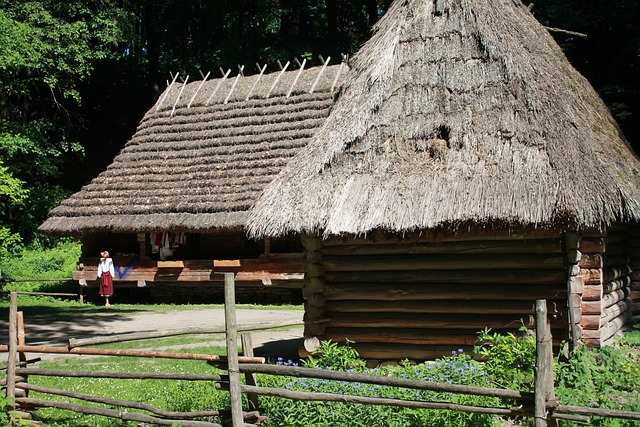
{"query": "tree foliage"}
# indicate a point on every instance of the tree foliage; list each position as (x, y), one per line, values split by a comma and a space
(46, 48)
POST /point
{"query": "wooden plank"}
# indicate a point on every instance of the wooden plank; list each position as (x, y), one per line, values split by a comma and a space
(226, 263)
(170, 264)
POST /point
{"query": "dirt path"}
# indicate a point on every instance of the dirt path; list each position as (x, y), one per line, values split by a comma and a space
(50, 331)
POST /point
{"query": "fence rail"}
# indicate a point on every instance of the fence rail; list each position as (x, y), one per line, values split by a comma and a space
(541, 404)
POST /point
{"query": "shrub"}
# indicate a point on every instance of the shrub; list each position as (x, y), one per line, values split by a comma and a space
(57, 262)
(459, 368)
(605, 378)
(510, 359)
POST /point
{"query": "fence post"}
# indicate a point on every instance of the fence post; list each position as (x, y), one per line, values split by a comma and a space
(250, 378)
(543, 383)
(13, 350)
(232, 350)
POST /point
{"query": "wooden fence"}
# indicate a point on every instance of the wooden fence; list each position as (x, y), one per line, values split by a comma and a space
(541, 404)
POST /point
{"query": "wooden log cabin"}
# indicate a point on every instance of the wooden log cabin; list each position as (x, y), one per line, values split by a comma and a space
(466, 170)
(171, 207)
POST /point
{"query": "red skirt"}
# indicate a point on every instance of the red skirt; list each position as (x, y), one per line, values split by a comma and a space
(106, 284)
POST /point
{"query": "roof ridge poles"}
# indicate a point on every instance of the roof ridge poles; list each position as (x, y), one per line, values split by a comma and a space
(335, 80)
(304, 61)
(198, 90)
(257, 80)
(173, 110)
(235, 82)
(322, 70)
(224, 77)
(275, 82)
(167, 92)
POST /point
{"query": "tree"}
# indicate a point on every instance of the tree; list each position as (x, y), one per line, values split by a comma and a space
(46, 47)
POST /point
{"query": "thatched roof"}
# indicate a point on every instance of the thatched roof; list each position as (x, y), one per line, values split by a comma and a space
(202, 154)
(469, 113)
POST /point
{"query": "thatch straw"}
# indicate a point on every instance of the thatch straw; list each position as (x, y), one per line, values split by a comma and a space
(201, 166)
(469, 115)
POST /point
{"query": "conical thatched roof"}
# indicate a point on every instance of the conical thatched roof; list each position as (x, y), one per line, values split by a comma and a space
(457, 111)
(202, 155)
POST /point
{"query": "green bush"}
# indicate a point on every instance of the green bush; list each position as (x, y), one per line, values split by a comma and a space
(510, 359)
(459, 368)
(56, 262)
(605, 378)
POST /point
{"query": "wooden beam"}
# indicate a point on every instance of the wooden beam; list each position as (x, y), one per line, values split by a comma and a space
(443, 277)
(442, 262)
(443, 306)
(435, 292)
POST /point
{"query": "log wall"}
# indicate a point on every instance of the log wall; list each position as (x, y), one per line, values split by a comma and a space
(606, 269)
(634, 235)
(423, 296)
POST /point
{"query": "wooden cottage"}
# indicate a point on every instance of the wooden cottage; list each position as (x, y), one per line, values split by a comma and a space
(466, 170)
(171, 208)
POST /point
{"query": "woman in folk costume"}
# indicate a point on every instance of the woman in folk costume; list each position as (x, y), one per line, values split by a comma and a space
(106, 273)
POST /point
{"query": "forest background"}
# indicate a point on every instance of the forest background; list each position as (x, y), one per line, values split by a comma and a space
(76, 76)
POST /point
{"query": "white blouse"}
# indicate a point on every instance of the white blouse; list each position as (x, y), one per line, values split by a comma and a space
(106, 264)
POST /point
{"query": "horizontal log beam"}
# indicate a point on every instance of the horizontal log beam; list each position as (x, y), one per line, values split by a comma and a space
(590, 245)
(616, 260)
(472, 233)
(591, 261)
(418, 292)
(484, 277)
(442, 262)
(615, 285)
(428, 321)
(73, 342)
(118, 375)
(592, 293)
(301, 372)
(590, 321)
(416, 336)
(331, 397)
(119, 402)
(443, 306)
(613, 297)
(616, 310)
(473, 247)
(111, 413)
(127, 353)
